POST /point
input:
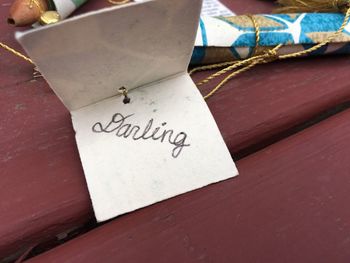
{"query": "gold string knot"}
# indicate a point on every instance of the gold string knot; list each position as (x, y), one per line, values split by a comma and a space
(270, 55)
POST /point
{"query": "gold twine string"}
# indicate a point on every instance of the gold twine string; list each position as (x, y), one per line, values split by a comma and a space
(257, 33)
(239, 66)
(234, 64)
(231, 64)
(268, 56)
(320, 45)
(36, 73)
(16, 53)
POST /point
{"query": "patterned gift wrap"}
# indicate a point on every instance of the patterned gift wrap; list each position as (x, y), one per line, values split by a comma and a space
(67, 7)
(222, 39)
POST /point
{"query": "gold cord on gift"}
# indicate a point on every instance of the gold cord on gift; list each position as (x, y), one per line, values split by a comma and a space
(268, 56)
(237, 64)
(244, 65)
(320, 45)
(257, 33)
(241, 66)
(248, 63)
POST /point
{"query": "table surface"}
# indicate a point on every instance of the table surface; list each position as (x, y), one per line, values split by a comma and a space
(288, 204)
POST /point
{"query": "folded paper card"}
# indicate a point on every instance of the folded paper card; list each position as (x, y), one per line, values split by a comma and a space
(165, 141)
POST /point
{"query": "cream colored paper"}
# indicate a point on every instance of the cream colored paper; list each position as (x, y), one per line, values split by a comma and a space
(162, 144)
(127, 168)
(215, 8)
(130, 45)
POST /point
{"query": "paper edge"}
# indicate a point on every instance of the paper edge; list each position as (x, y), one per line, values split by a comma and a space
(235, 172)
(21, 34)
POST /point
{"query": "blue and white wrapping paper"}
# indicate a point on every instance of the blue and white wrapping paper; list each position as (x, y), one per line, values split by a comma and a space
(222, 39)
(67, 7)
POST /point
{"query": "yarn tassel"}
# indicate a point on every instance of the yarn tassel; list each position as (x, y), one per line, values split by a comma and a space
(309, 6)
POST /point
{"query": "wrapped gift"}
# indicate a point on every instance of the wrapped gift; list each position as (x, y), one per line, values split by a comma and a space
(66, 7)
(221, 39)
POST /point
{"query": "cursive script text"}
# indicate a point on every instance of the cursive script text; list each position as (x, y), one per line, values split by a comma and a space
(121, 126)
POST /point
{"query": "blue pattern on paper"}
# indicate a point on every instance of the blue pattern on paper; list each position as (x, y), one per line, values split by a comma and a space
(304, 29)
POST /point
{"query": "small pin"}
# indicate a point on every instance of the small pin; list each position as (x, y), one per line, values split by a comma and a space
(124, 91)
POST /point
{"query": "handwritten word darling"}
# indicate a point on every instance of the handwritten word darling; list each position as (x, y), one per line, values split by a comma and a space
(121, 128)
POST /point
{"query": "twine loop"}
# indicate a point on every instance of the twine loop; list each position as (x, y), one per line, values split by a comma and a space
(270, 55)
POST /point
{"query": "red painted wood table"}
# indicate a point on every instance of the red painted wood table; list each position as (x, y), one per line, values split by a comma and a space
(285, 123)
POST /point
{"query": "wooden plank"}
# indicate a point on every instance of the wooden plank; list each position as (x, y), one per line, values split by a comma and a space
(43, 190)
(261, 104)
(290, 204)
(12, 69)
